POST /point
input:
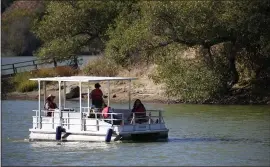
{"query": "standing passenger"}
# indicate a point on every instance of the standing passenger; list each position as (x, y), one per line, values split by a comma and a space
(97, 96)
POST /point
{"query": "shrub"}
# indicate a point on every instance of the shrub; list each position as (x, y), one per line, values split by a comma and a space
(27, 86)
(19, 77)
(192, 80)
(21, 83)
(101, 67)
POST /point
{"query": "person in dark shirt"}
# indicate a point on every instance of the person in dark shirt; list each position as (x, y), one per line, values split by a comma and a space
(139, 110)
(97, 96)
(50, 105)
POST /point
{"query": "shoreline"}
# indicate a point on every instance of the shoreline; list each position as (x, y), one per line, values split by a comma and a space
(120, 98)
(143, 88)
(31, 96)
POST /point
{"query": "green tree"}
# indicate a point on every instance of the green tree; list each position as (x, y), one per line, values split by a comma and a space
(5, 4)
(17, 39)
(235, 26)
(69, 26)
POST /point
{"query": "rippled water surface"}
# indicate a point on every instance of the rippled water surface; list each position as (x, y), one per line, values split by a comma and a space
(199, 135)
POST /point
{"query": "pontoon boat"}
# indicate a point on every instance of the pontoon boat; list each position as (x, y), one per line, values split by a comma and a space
(86, 123)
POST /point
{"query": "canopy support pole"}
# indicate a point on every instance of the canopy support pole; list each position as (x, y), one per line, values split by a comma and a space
(59, 105)
(80, 94)
(108, 93)
(88, 97)
(44, 92)
(64, 94)
(39, 104)
(129, 94)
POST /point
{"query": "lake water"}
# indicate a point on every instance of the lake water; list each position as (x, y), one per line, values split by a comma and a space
(199, 135)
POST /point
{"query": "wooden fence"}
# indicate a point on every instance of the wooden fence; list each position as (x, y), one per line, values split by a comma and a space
(31, 65)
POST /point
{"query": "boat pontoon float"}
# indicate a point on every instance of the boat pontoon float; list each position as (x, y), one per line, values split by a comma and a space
(86, 123)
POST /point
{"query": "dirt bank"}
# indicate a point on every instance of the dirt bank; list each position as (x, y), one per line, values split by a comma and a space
(147, 91)
(143, 89)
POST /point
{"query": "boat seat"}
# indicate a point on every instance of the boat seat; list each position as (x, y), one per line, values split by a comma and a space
(125, 112)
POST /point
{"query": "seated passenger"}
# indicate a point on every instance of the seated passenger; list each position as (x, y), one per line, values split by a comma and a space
(105, 115)
(50, 105)
(139, 110)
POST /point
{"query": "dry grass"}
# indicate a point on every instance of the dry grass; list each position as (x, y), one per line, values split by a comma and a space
(65, 71)
(27, 86)
(23, 84)
(143, 88)
(101, 67)
(45, 72)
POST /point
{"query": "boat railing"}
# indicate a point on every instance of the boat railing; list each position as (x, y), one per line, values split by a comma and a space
(112, 118)
(56, 115)
(149, 115)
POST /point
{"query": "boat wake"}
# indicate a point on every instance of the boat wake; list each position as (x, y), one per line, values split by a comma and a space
(17, 140)
(212, 139)
(181, 140)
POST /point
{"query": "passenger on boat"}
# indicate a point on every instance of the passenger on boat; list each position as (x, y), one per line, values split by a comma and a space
(105, 115)
(50, 105)
(140, 112)
(97, 96)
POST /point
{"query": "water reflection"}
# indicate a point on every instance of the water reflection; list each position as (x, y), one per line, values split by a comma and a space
(103, 145)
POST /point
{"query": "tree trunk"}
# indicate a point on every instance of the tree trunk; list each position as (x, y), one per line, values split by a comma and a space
(75, 61)
(232, 69)
(54, 62)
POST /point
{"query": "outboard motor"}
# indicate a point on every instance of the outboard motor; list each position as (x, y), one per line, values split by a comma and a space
(109, 135)
(58, 134)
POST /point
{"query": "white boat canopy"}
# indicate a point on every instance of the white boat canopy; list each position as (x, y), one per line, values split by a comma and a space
(82, 79)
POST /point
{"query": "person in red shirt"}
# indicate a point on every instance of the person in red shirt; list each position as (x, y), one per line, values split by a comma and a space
(139, 110)
(97, 96)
